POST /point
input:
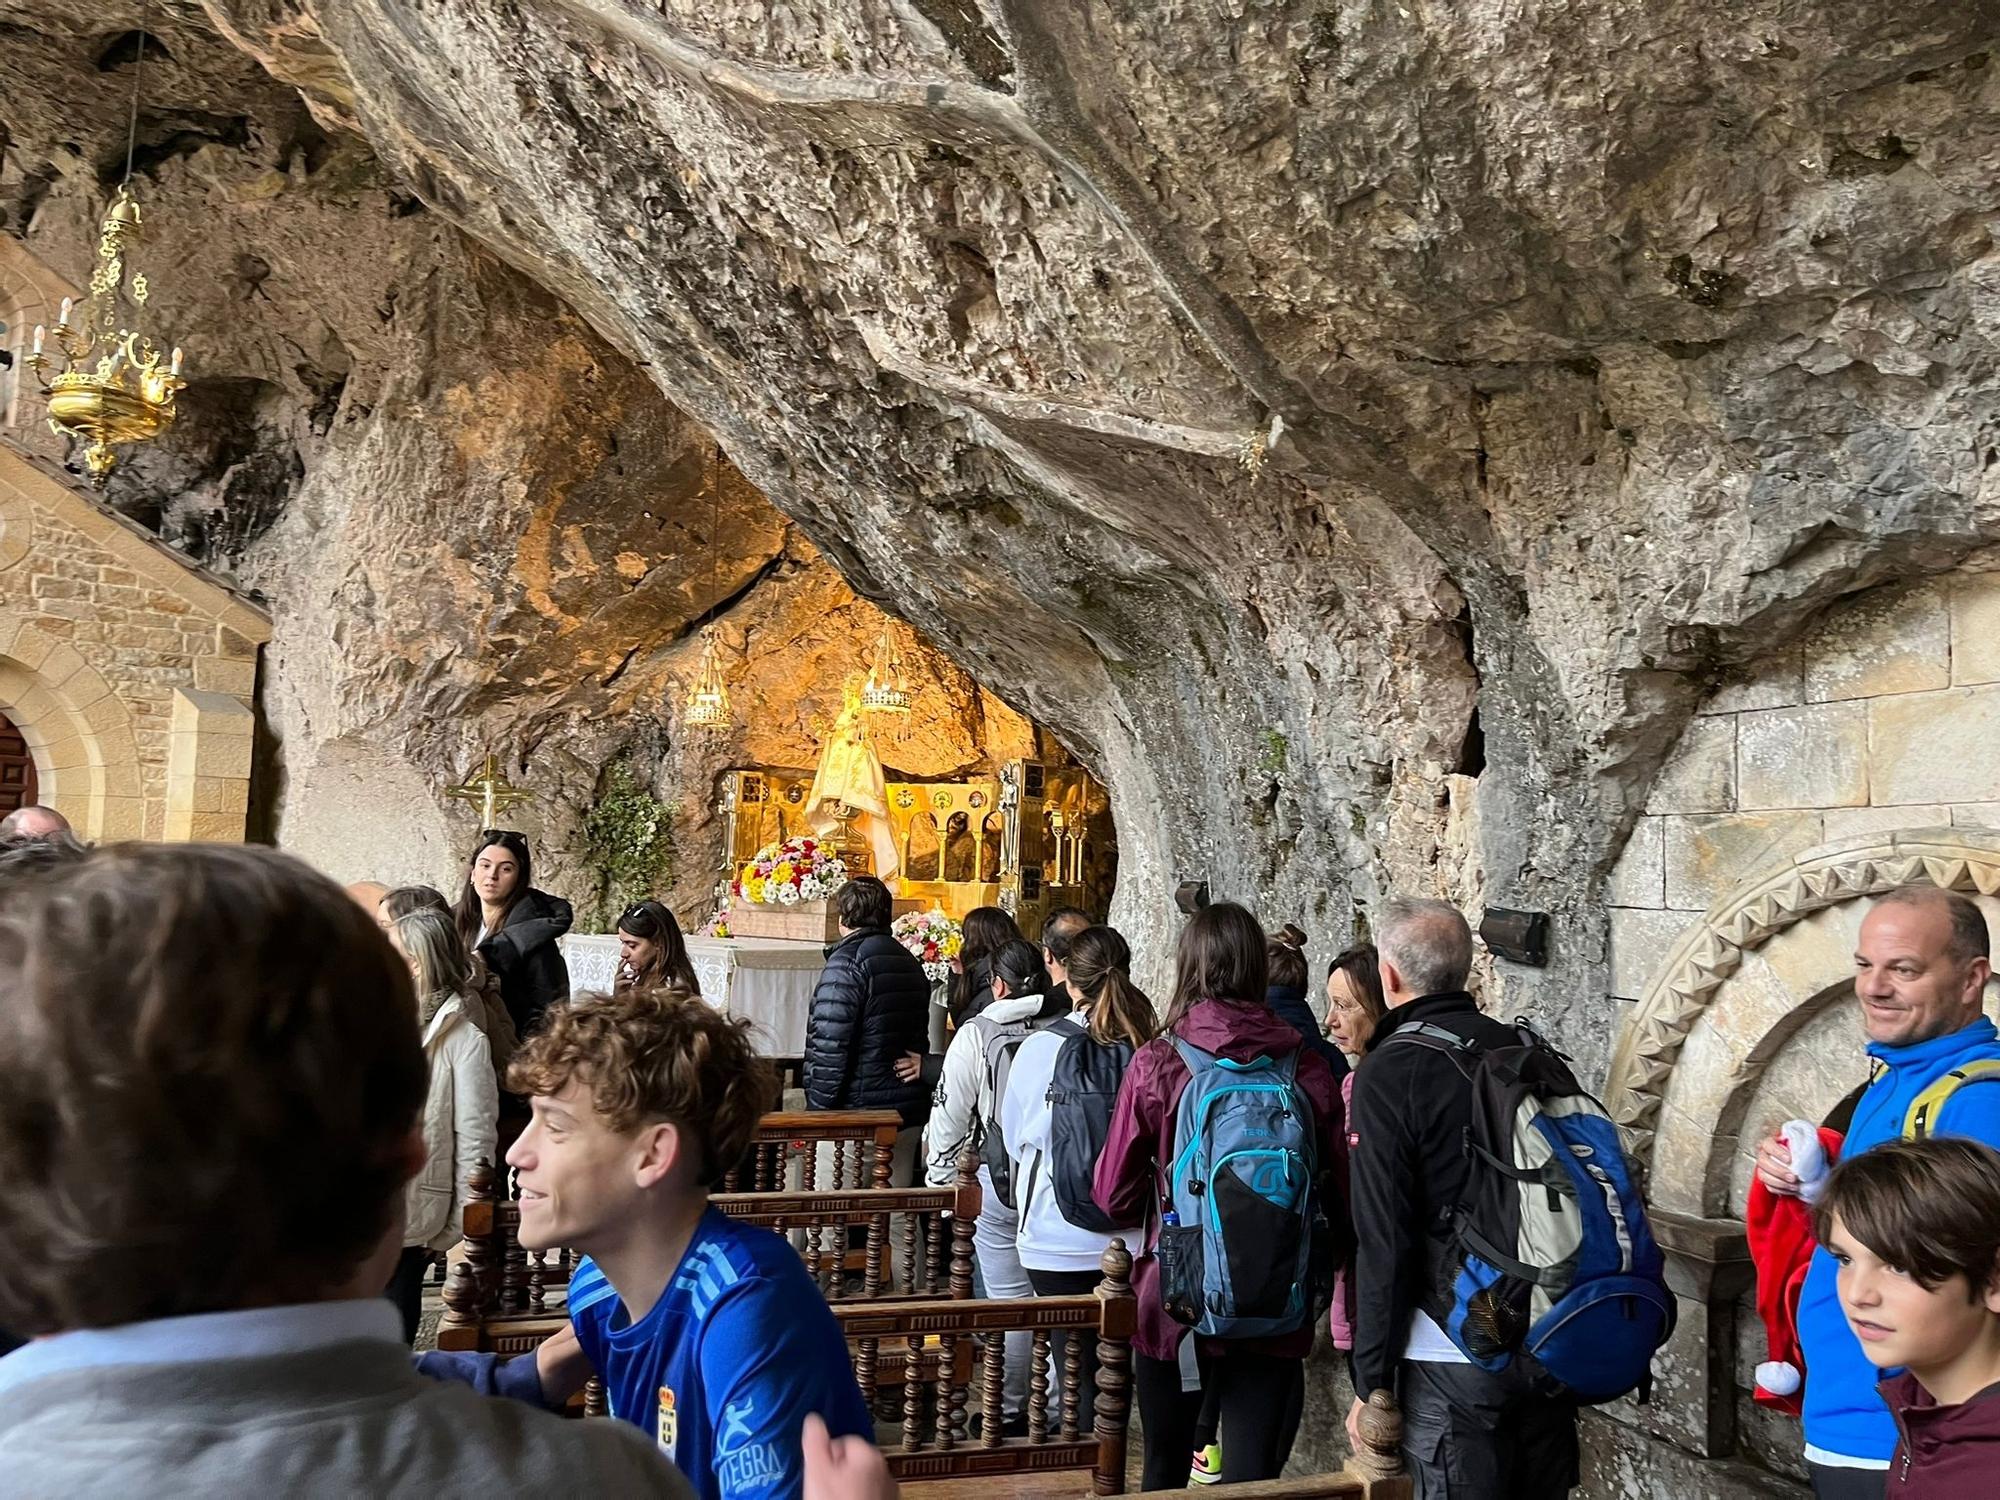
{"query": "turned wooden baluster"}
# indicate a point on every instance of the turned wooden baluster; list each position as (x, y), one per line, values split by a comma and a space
(934, 1275)
(480, 1259)
(913, 1394)
(1072, 1385)
(885, 1151)
(864, 1370)
(964, 1222)
(992, 1376)
(1038, 1389)
(1380, 1455)
(947, 1390)
(910, 1252)
(464, 1300)
(871, 1266)
(513, 1267)
(1114, 1371)
(595, 1403)
(538, 1281)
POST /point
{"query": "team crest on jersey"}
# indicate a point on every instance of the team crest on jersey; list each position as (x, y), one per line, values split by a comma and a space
(670, 1422)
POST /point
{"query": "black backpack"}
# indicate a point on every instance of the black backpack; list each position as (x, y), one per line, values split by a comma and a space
(1082, 1090)
(999, 1064)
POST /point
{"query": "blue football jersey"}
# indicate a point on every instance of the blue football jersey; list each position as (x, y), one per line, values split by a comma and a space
(724, 1368)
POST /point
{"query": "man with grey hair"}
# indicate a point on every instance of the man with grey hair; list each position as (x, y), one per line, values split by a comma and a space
(1465, 1431)
(1921, 966)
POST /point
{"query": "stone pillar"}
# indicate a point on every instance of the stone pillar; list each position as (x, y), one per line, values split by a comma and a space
(208, 766)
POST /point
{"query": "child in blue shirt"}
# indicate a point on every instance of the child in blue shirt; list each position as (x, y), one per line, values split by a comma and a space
(706, 1333)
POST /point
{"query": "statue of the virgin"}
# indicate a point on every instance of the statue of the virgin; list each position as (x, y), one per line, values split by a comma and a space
(848, 790)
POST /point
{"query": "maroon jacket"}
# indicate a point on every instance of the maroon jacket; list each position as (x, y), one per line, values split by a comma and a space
(1945, 1452)
(1130, 1181)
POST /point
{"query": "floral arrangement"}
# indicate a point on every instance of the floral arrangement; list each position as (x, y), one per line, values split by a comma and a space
(785, 874)
(932, 938)
(717, 926)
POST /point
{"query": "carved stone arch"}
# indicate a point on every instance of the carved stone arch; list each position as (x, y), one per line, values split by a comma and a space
(78, 730)
(1740, 983)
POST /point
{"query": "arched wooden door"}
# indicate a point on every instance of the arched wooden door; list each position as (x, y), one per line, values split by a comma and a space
(17, 769)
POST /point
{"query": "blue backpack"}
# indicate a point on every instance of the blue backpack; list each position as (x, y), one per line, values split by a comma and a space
(1242, 1219)
(1550, 1259)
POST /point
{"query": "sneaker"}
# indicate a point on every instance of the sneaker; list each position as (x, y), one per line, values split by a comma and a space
(1207, 1465)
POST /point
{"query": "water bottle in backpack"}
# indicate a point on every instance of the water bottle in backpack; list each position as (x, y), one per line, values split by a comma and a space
(1242, 1215)
(1550, 1258)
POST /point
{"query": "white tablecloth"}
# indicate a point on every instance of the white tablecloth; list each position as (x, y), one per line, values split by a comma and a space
(769, 980)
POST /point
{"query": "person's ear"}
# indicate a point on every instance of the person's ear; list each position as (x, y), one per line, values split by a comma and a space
(1991, 1296)
(1976, 974)
(657, 1152)
(1392, 979)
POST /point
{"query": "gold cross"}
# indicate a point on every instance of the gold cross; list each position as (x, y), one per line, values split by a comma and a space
(492, 791)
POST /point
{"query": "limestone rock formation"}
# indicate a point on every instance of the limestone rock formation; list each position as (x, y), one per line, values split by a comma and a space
(1250, 389)
(477, 525)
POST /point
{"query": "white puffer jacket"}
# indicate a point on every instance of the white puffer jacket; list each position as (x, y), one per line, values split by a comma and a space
(461, 1125)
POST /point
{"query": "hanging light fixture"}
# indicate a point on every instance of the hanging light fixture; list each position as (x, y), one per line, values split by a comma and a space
(127, 394)
(706, 705)
(885, 691)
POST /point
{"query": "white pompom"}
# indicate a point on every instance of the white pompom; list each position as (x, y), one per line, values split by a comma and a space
(1779, 1377)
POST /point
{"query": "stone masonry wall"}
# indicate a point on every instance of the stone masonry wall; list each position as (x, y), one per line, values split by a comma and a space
(1886, 717)
(130, 673)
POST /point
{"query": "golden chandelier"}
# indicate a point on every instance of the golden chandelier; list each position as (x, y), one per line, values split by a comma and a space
(707, 703)
(127, 396)
(885, 691)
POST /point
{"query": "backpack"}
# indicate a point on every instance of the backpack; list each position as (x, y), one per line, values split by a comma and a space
(1549, 1258)
(1241, 1216)
(1001, 1046)
(1082, 1090)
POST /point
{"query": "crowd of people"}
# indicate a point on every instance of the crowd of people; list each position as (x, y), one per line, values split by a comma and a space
(238, 1108)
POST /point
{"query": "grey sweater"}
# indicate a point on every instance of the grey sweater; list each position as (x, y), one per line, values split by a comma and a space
(352, 1419)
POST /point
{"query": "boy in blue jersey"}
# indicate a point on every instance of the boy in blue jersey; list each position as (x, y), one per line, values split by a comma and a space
(706, 1333)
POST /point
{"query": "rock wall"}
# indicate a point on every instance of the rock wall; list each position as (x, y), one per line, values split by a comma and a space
(1252, 390)
(476, 524)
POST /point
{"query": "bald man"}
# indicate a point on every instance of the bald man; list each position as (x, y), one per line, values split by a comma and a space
(368, 894)
(34, 822)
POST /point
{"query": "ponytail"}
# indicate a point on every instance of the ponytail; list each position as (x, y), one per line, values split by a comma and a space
(1098, 965)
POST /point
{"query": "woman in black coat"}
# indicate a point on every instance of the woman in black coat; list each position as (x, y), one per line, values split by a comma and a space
(1287, 995)
(870, 1007)
(515, 928)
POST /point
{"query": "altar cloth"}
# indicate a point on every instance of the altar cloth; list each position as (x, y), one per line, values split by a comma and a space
(768, 980)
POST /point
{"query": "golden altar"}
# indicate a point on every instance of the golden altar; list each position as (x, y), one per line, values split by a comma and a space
(1030, 839)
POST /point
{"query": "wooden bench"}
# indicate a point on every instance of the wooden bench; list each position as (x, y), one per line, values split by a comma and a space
(1375, 1473)
(1074, 1424)
(791, 1149)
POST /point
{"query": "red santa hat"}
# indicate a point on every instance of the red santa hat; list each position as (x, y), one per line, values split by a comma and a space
(1781, 1238)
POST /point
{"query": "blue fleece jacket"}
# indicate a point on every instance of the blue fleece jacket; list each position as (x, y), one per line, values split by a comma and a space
(1843, 1413)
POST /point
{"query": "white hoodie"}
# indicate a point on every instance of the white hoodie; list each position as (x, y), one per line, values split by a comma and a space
(964, 1094)
(1045, 1239)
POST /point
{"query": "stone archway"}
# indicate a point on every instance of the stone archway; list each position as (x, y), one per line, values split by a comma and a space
(77, 729)
(1744, 980)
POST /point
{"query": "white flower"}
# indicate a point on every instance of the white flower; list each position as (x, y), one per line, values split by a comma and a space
(788, 895)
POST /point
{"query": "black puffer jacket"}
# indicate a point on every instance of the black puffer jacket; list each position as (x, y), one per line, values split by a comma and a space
(526, 956)
(872, 1005)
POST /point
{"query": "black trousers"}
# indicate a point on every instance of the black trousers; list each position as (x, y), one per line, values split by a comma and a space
(1831, 1483)
(406, 1288)
(1258, 1402)
(1470, 1435)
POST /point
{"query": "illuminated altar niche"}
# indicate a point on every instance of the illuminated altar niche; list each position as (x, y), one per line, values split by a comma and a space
(1027, 840)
